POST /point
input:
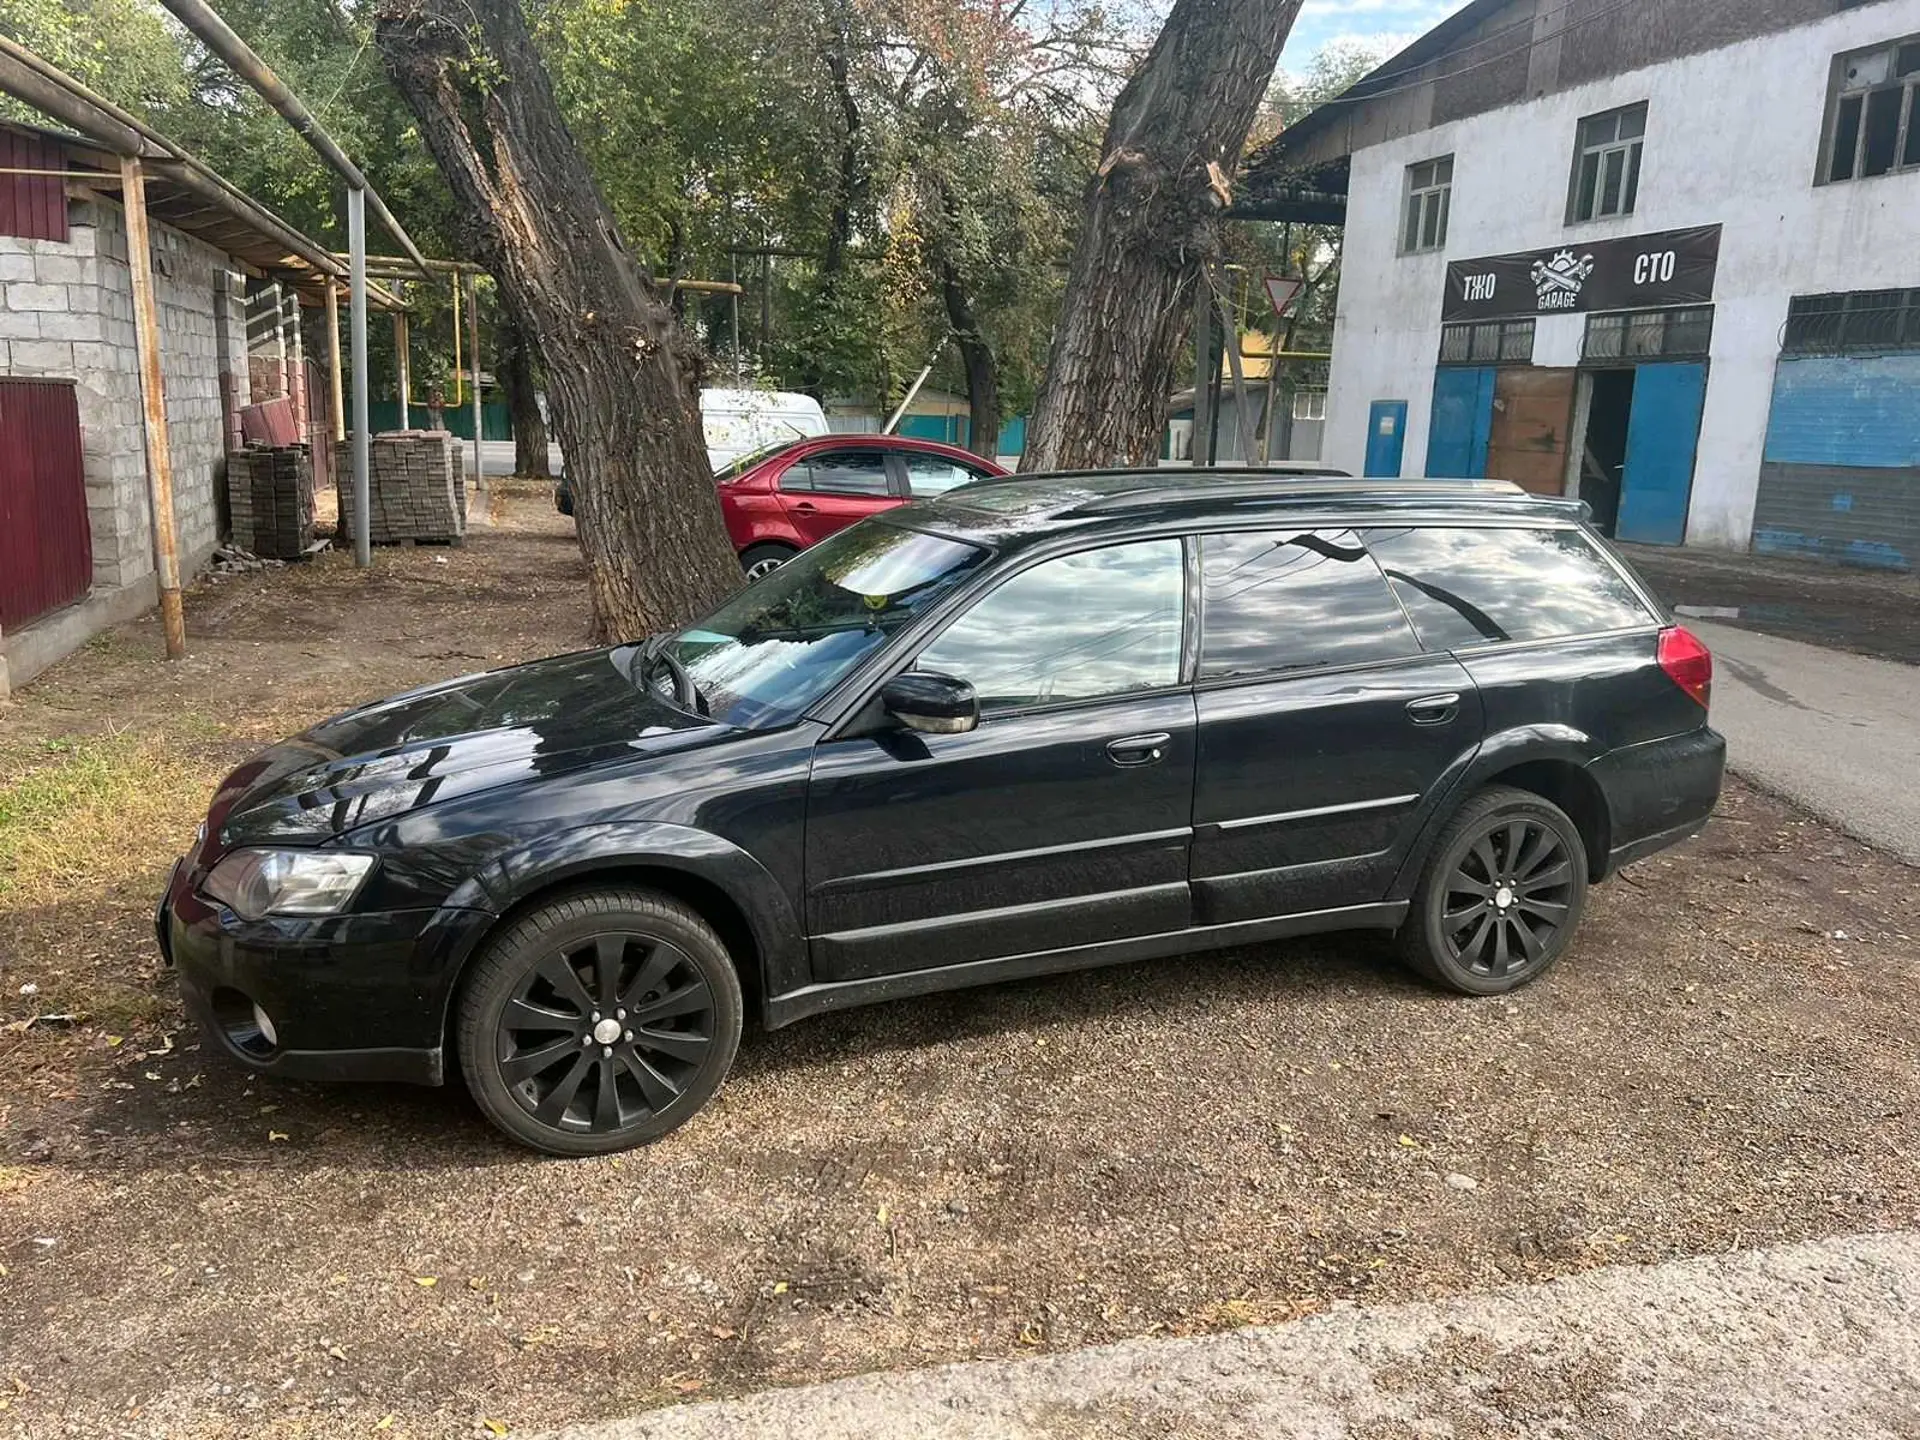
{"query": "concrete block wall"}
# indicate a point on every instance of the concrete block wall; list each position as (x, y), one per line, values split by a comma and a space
(68, 314)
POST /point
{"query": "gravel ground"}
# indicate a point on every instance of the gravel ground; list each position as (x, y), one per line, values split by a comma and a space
(1797, 1343)
(1726, 1059)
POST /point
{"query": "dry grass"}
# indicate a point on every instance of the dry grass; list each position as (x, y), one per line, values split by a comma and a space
(81, 815)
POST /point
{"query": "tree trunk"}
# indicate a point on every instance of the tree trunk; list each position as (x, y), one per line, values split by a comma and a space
(624, 379)
(523, 405)
(983, 375)
(1152, 217)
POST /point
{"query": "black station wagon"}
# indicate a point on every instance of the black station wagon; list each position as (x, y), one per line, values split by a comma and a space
(1029, 727)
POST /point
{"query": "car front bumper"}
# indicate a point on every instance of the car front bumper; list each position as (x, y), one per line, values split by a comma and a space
(349, 997)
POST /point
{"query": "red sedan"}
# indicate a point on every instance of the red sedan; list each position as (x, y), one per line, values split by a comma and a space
(780, 501)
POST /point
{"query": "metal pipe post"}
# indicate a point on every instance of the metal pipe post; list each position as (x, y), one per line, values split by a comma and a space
(473, 347)
(362, 435)
(403, 368)
(153, 395)
(1201, 452)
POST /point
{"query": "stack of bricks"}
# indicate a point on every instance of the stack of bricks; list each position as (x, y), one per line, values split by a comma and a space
(270, 499)
(416, 484)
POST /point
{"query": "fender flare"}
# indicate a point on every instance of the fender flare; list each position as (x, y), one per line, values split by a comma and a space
(579, 854)
(1521, 745)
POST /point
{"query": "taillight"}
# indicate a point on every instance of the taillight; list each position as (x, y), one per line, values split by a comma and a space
(1688, 663)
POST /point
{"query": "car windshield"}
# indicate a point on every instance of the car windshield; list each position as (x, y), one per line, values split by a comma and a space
(780, 644)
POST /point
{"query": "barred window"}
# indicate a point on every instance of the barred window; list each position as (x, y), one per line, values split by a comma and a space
(1855, 321)
(1489, 342)
(1649, 334)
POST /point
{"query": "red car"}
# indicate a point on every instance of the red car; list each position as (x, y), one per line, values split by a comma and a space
(779, 501)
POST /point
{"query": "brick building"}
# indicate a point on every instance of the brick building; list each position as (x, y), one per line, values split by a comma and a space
(76, 518)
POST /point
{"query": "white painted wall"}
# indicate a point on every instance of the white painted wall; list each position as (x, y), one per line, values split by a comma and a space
(1733, 138)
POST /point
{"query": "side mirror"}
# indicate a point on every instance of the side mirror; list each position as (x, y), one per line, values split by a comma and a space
(931, 704)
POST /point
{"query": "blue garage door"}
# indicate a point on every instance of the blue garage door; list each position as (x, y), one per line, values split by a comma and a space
(1663, 434)
(1462, 424)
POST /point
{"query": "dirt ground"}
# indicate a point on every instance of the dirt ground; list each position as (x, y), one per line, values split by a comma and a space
(1870, 612)
(1727, 1058)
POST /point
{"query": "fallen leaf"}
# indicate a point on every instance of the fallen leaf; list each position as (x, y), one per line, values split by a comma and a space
(153, 1074)
(780, 1287)
(883, 1214)
(1031, 1334)
(498, 1427)
(385, 1422)
(116, 1039)
(720, 1332)
(336, 1352)
(1407, 1140)
(427, 1282)
(278, 1135)
(477, 1282)
(687, 1387)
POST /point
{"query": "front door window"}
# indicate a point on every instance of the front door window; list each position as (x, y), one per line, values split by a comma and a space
(1100, 622)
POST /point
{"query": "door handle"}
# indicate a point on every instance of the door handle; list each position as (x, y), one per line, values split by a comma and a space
(1434, 709)
(804, 507)
(1138, 749)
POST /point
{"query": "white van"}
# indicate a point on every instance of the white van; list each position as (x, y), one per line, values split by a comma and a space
(740, 422)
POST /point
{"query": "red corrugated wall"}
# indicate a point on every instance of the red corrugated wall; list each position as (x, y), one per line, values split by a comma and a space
(46, 549)
(33, 207)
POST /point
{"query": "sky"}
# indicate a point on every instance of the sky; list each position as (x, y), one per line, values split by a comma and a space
(1387, 25)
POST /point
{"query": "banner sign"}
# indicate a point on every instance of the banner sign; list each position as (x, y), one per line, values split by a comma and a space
(1638, 272)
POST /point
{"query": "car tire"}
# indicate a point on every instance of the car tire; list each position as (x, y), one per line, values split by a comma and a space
(1500, 896)
(758, 560)
(601, 1020)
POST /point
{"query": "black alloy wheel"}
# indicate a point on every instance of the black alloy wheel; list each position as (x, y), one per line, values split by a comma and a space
(1501, 895)
(600, 1021)
(1507, 897)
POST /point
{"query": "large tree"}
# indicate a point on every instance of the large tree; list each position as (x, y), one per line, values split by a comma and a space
(623, 377)
(1172, 147)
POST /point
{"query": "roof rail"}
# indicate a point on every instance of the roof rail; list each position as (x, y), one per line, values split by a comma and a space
(1160, 492)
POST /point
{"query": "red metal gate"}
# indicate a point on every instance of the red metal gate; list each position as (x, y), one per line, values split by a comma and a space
(46, 550)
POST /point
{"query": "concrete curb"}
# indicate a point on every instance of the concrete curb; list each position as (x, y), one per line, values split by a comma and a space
(1812, 1340)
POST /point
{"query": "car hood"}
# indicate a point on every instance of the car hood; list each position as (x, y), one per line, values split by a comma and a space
(434, 744)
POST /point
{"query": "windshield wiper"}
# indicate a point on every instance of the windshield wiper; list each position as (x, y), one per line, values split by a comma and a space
(686, 694)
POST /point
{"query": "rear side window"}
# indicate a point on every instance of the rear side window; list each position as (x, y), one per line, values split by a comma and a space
(840, 472)
(1290, 599)
(935, 474)
(1480, 587)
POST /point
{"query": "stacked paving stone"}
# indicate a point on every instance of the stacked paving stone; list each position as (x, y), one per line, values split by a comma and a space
(416, 484)
(270, 500)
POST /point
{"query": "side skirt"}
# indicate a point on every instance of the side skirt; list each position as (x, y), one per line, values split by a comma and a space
(844, 995)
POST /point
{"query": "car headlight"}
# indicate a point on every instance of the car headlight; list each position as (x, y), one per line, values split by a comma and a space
(258, 883)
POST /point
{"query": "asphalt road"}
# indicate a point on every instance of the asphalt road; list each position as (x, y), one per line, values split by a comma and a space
(1838, 734)
(1802, 1342)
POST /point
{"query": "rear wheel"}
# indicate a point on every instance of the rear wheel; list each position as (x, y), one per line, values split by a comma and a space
(758, 560)
(1500, 896)
(599, 1021)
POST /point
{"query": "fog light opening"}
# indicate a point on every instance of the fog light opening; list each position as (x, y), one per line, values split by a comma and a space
(247, 1026)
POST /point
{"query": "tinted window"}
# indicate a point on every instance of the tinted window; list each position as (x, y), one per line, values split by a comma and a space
(1281, 600)
(1097, 623)
(840, 472)
(1474, 587)
(935, 475)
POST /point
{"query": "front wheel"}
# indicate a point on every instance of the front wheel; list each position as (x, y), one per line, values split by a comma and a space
(758, 560)
(1500, 896)
(600, 1021)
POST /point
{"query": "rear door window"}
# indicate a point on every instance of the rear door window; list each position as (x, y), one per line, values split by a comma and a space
(1464, 586)
(934, 474)
(1276, 600)
(840, 472)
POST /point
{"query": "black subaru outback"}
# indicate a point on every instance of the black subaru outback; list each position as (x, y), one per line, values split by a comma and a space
(1029, 727)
